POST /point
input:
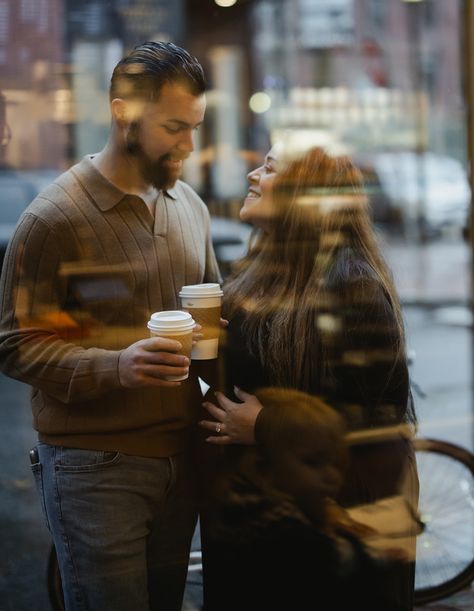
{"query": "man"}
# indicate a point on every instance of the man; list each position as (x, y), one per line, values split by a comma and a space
(109, 242)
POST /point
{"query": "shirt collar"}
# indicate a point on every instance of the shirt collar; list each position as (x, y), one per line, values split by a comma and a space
(171, 192)
(104, 193)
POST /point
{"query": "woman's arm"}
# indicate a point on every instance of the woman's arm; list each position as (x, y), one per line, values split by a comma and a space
(370, 368)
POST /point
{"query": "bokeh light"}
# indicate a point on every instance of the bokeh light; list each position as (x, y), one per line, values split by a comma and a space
(260, 102)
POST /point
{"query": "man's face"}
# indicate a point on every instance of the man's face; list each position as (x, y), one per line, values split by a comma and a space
(161, 137)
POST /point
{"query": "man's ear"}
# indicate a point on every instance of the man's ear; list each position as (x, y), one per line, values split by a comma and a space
(119, 111)
(125, 112)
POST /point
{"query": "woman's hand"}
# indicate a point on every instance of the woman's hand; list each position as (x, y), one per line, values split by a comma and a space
(197, 335)
(235, 422)
(197, 330)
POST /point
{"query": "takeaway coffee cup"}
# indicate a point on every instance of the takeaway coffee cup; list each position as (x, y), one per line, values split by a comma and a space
(174, 324)
(203, 301)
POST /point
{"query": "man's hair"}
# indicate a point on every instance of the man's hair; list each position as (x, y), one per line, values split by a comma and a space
(143, 72)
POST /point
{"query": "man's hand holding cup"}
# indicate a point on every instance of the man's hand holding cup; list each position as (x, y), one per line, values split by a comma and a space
(149, 362)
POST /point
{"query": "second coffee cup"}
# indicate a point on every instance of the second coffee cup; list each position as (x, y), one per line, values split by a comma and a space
(174, 324)
(203, 301)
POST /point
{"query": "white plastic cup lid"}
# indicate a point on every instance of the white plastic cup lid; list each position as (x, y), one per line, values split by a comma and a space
(208, 289)
(172, 320)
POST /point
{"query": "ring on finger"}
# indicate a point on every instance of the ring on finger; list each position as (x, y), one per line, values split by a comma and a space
(218, 428)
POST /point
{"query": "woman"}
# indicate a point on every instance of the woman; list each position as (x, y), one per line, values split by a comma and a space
(312, 307)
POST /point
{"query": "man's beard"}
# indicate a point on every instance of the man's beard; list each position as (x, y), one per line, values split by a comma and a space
(153, 172)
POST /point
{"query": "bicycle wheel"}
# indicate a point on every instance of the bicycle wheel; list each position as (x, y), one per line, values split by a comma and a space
(445, 548)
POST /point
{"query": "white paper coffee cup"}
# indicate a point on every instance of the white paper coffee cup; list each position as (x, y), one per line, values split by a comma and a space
(174, 324)
(203, 301)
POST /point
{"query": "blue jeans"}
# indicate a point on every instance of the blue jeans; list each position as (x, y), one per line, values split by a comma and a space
(122, 527)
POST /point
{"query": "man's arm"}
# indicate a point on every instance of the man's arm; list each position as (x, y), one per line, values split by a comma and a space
(32, 348)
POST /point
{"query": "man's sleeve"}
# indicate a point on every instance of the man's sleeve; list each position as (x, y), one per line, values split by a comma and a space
(34, 343)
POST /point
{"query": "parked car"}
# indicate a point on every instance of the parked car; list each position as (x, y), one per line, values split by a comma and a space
(381, 210)
(431, 188)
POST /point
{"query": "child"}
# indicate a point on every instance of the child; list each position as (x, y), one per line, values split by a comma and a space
(276, 530)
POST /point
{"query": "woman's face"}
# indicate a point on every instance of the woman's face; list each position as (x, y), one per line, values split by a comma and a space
(258, 205)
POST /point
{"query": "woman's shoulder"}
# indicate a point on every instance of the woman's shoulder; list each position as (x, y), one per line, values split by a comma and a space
(349, 269)
(354, 284)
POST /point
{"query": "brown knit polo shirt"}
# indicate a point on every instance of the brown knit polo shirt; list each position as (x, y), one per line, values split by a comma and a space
(86, 267)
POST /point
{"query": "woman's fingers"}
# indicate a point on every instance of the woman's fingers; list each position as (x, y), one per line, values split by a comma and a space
(215, 411)
(197, 335)
(224, 402)
(221, 440)
(211, 425)
(241, 394)
(234, 422)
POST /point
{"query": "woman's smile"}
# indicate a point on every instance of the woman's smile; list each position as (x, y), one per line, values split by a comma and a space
(253, 194)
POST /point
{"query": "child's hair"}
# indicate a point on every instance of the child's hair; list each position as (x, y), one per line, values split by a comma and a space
(303, 449)
(295, 414)
(259, 494)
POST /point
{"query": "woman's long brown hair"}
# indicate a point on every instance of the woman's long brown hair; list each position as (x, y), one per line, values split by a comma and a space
(284, 282)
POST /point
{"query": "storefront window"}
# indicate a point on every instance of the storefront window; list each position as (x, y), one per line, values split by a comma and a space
(379, 80)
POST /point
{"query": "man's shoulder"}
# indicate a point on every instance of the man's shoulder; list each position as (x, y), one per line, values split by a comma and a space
(59, 194)
(65, 182)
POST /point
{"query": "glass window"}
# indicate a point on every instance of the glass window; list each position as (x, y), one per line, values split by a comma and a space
(381, 81)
